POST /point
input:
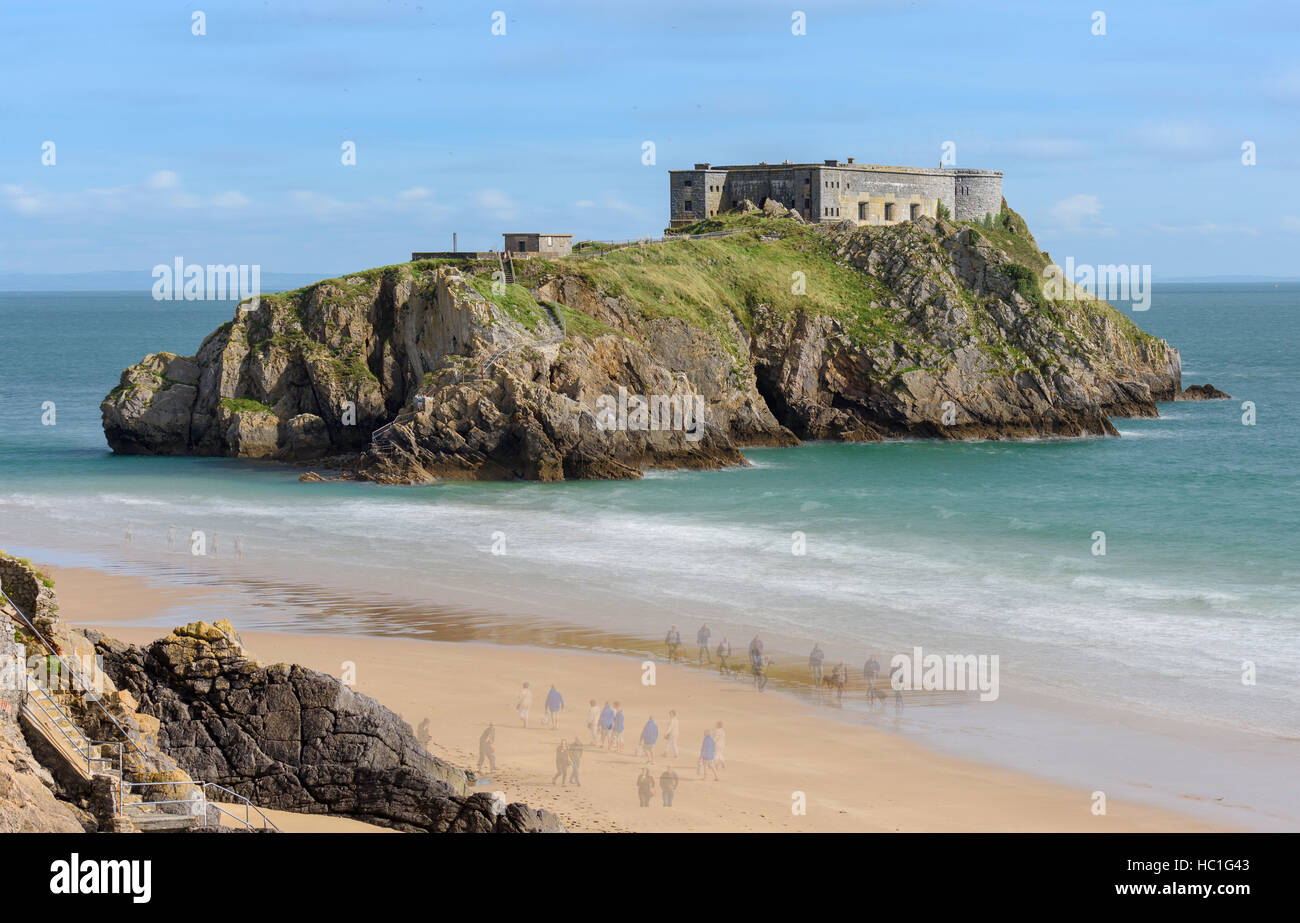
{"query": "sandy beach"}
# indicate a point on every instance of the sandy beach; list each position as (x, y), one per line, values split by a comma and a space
(853, 778)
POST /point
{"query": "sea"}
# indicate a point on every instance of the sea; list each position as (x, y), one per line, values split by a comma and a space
(1141, 593)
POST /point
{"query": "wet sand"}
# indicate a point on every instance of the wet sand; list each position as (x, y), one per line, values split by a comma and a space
(781, 750)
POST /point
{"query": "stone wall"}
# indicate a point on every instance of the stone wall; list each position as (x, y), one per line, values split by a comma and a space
(979, 193)
(865, 194)
(887, 194)
(12, 655)
(30, 590)
(702, 188)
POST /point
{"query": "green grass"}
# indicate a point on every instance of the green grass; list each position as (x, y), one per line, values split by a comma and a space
(1009, 233)
(708, 282)
(716, 283)
(577, 322)
(514, 300)
(244, 405)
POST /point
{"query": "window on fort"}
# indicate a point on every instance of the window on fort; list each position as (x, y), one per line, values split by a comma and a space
(916, 212)
(688, 204)
(862, 211)
(687, 183)
(889, 211)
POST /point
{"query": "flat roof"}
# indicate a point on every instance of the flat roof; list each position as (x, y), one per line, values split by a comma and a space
(532, 234)
(870, 167)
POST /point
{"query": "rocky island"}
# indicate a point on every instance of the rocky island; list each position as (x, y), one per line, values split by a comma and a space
(550, 369)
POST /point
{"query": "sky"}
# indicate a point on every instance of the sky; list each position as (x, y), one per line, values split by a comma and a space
(228, 146)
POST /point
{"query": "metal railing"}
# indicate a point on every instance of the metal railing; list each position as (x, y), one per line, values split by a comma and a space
(214, 794)
(37, 699)
(86, 690)
(601, 247)
(34, 696)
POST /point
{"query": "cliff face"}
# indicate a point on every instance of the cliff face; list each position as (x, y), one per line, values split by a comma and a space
(296, 739)
(975, 353)
(29, 795)
(774, 333)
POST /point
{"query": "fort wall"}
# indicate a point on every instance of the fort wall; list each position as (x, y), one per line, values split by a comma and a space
(868, 194)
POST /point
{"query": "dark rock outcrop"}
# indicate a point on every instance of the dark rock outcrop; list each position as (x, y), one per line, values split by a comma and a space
(294, 739)
(1205, 392)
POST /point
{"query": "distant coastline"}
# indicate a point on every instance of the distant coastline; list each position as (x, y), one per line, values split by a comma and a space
(140, 281)
(126, 280)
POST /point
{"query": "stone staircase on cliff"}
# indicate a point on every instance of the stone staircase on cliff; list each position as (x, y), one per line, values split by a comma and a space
(172, 804)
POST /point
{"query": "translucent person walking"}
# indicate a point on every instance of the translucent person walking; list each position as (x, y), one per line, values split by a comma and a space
(524, 703)
(554, 705)
(645, 787)
(671, 735)
(606, 725)
(561, 764)
(702, 639)
(708, 756)
(668, 786)
(649, 736)
(575, 761)
(487, 750)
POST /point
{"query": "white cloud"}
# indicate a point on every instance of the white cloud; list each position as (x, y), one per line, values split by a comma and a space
(497, 203)
(164, 179)
(612, 203)
(23, 200)
(1079, 212)
(1208, 227)
(1183, 138)
(1290, 223)
(319, 205)
(231, 198)
(162, 193)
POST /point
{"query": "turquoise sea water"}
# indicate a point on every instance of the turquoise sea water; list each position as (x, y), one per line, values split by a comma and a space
(964, 548)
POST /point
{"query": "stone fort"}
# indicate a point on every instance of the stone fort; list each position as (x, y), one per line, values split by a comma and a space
(833, 191)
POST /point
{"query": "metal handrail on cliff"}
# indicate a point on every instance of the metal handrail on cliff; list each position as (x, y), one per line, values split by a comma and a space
(120, 768)
(608, 246)
(81, 744)
(556, 315)
(199, 803)
(249, 807)
(86, 690)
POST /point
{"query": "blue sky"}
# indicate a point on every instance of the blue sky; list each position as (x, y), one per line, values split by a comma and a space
(226, 147)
